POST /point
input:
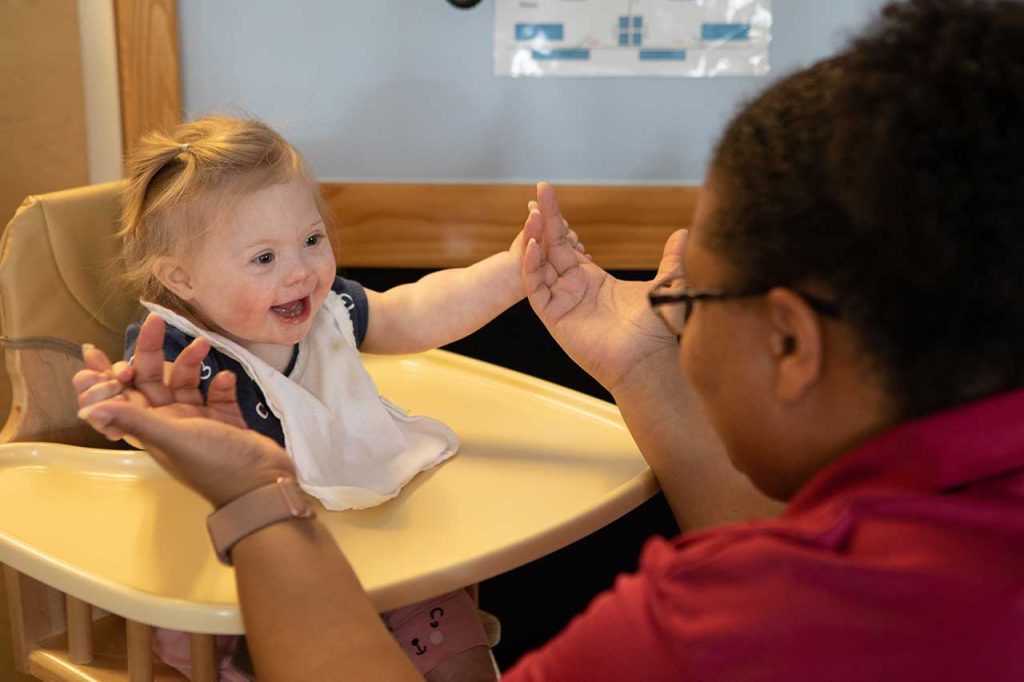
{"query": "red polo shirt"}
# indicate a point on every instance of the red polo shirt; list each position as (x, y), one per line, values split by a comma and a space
(903, 560)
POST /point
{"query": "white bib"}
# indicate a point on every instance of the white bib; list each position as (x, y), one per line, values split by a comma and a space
(352, 448)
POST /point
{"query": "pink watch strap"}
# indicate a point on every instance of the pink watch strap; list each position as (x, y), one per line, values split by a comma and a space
(266, 505)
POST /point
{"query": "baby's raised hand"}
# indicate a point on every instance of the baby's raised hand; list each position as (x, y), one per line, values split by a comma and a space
(100, 379)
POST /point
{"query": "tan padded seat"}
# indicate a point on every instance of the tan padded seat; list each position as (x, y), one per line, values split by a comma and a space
(59, 289)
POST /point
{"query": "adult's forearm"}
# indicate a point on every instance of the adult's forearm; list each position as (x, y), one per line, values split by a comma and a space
(668, 423)
(306, 615)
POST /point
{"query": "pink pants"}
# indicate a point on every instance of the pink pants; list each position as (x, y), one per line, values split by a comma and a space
(430, 633)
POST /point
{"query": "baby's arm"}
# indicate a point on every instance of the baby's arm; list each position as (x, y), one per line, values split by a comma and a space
(447, 305)
(442, 307)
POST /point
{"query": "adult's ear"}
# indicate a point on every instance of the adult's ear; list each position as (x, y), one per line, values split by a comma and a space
(173, 274)
(797, 344)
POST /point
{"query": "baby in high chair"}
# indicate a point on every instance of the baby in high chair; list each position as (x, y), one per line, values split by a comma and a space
(225, 237)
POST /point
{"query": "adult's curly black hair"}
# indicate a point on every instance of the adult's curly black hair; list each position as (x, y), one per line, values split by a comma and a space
(893, 174)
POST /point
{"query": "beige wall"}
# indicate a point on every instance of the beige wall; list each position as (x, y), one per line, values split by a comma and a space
(42, 137)
(42, 115)
(42, 112)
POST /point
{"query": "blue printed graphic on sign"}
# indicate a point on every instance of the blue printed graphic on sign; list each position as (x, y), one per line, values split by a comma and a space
(663, 55)
(547, 31)
(566, 53)
(725, 31)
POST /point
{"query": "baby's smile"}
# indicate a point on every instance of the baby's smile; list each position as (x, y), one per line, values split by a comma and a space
(292, 312)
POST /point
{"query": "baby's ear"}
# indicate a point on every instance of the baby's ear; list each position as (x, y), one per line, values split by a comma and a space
(173, 275)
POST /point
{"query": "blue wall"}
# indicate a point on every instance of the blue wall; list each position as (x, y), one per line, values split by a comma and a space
(402, 90)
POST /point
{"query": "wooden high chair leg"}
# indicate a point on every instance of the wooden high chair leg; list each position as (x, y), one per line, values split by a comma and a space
(36, 611)
(79, 630)
(140, 652)
(202, 649)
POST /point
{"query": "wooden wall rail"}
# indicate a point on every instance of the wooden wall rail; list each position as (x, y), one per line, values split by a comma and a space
(432, 226)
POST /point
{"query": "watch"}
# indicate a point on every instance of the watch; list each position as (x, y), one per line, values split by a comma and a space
(266, 505)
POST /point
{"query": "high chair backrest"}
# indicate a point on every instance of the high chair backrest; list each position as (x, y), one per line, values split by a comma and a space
(58, 290)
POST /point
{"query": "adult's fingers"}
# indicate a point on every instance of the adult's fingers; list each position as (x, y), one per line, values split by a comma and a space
(672, 254)
(183, 378)
(145, 424)
(574, 239)
(149, 361)
(558, 250)
(222, 398)
(532, 205)
(98, 417)
(105, 390)
(537, 289)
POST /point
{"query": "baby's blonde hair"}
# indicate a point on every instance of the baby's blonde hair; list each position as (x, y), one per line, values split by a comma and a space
(177, 181)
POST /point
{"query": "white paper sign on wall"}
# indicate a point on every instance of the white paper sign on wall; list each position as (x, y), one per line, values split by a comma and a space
(695, 38)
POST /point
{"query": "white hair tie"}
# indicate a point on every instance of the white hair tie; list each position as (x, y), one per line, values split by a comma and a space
(183, 148)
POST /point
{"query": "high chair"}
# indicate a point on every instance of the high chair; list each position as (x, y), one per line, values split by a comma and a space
(539, 467)
(56, 293)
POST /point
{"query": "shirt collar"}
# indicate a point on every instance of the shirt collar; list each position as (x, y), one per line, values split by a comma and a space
(945, 450)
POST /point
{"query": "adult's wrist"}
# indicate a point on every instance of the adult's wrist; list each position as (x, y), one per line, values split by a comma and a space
(279, 501)
(657, 372)
(246, 482)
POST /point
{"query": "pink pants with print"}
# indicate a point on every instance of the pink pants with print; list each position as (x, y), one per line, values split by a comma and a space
(430, 633)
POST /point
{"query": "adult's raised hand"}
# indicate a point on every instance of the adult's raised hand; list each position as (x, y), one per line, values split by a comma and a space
(606, 325)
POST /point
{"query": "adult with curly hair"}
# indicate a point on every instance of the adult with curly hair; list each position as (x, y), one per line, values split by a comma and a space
(850, 326)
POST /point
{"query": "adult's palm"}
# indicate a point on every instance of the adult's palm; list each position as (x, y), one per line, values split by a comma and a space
(605, 324)
(203, 443)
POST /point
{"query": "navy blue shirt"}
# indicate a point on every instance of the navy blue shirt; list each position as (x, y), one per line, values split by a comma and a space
(250, 398)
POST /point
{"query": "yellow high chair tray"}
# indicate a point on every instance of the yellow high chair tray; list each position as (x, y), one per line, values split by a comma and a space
(539, 467)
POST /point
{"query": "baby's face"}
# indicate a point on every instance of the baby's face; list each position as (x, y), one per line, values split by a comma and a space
(263, 270)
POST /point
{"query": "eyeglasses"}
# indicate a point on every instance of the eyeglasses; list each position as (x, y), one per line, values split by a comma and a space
(672, 290)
